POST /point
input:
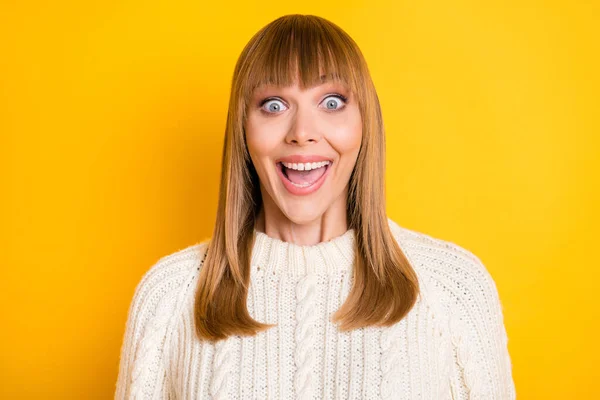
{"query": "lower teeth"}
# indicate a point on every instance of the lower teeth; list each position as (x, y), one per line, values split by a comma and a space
(301, 185)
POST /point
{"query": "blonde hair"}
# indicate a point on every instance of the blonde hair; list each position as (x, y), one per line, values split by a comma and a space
(309, 49)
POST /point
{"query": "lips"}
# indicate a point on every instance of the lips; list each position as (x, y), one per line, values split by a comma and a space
(301, 190)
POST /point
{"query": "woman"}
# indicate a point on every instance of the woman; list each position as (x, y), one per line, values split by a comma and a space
(306, 289)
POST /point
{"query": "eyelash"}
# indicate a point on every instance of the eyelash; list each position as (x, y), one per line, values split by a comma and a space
(339, 96)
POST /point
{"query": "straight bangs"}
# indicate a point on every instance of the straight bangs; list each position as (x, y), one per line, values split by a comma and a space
(303, 51)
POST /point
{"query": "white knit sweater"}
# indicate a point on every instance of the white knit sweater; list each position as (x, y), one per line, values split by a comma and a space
(451, 345)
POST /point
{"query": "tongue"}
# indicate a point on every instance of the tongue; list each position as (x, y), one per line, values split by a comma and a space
(302, 177)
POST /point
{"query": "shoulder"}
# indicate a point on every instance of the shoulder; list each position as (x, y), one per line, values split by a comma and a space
(173, 265)
(448, 273)
(451, 268)
(162, 288)
(168, 276)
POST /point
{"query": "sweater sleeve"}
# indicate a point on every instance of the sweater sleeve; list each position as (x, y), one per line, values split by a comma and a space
(142, 373)
(479, 334)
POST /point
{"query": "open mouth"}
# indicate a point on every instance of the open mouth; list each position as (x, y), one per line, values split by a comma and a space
(303, 179)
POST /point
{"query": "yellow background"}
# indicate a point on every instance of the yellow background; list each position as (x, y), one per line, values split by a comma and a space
(112, 117)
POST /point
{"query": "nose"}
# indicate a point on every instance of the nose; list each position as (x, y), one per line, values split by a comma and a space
(303, 129)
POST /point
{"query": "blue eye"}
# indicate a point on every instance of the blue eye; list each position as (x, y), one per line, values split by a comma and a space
(331, 101)
(273, 105)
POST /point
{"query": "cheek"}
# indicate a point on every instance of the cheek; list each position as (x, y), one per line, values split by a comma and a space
(261, 141)
(347, 134)
(254, 138)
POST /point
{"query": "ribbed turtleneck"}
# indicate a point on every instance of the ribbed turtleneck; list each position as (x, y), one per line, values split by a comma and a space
(329, 257)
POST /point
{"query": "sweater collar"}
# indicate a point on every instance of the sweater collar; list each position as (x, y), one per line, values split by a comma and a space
(271, 255)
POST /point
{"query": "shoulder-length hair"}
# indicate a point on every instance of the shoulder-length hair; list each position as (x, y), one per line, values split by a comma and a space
(306, 49)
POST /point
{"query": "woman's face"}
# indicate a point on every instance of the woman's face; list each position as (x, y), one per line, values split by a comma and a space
(317, 125)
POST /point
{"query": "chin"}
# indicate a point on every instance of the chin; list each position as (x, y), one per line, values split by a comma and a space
(304, 215)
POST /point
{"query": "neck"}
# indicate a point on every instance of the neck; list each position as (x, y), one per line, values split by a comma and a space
(274, 256)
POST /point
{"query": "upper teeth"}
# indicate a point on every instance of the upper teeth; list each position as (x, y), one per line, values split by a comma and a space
(306, 166)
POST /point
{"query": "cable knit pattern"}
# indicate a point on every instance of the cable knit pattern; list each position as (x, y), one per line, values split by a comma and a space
(305, 336)
(390, 359)
(452, 345)
(440, 322)
(155, 303)
(149, 346)
(466, 360)
(221, 364)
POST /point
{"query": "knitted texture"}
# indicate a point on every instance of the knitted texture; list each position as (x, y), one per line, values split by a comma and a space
(451, 345)
(305, 337)
(221, 365)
